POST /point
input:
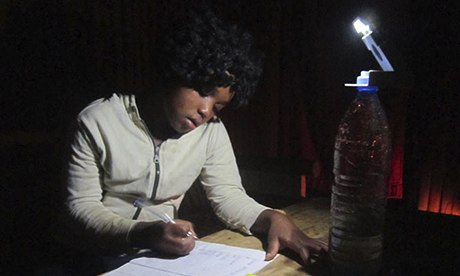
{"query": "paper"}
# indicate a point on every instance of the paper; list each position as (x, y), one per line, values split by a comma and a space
(205, 259)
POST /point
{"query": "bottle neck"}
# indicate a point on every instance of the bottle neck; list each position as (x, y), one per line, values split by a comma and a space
(368, 89)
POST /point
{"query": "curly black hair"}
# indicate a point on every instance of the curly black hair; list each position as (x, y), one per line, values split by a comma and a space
(205, 53)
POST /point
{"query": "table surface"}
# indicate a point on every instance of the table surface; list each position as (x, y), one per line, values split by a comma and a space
(311, 216)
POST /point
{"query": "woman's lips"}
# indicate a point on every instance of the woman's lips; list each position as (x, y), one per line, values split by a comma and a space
(192, 124)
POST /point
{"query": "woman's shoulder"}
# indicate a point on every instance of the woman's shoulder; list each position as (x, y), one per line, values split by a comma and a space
(103, 108)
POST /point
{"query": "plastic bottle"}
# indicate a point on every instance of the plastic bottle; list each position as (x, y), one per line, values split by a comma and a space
(361, 166)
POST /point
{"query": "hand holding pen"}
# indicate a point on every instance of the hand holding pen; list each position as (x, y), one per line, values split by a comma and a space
(140, 203)
(167, 235)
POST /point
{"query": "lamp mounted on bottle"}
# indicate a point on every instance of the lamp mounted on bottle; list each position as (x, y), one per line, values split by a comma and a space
(362, 152)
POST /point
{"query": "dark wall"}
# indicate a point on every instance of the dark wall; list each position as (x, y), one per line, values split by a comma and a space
(59, 55)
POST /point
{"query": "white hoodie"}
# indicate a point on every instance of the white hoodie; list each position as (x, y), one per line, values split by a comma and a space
(111, 163)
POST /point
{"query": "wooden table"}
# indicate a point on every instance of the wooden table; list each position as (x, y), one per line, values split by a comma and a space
(312, 217)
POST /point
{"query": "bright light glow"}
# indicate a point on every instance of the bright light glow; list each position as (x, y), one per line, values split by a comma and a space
(360, 27)
(363, 28)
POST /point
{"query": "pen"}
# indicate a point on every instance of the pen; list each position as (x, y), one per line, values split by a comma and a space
(163, 216)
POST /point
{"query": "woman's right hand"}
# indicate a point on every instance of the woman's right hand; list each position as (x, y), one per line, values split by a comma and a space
(172, 238)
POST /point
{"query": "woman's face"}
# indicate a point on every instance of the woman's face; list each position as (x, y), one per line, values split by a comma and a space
(186, 109)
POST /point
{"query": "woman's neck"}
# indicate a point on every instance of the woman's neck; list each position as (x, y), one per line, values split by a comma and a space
(152, 112)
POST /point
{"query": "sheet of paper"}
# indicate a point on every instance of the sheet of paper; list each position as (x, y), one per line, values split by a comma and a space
(205, 259)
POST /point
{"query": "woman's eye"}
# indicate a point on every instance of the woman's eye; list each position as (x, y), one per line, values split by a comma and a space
(218, 107)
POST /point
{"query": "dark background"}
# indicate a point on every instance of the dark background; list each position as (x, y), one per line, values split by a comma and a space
(57, 56)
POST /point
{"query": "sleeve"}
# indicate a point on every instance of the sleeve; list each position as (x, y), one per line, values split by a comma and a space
(93, 225)
(222, 182)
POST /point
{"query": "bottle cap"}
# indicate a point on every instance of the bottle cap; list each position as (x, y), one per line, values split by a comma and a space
(361, 80)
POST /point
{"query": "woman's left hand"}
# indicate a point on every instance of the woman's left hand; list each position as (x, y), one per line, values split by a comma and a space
(283, 233)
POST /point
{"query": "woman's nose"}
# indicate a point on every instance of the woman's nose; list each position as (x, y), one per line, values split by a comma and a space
(206, 110)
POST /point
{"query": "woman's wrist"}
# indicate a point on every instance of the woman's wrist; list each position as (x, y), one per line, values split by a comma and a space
(265, 219)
